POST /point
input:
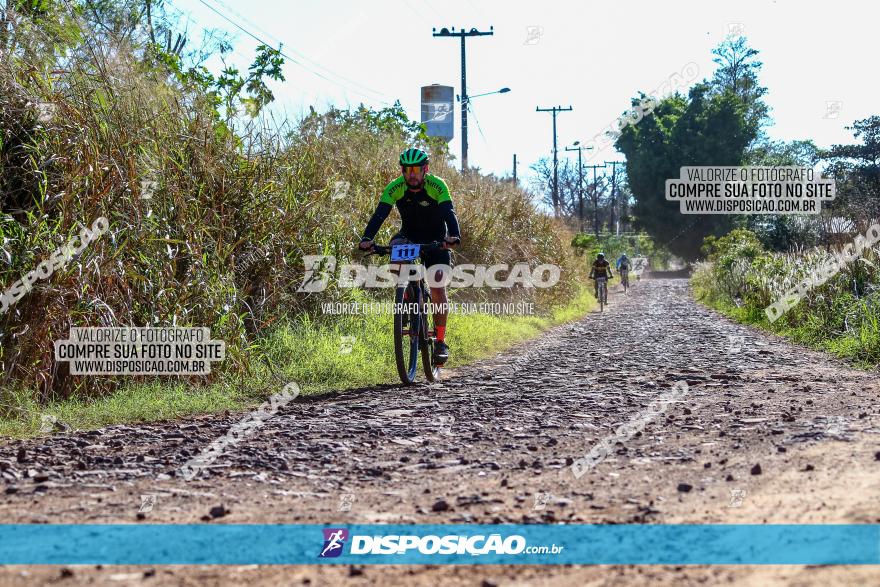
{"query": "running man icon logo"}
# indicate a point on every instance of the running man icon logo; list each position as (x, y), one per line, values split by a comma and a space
(318, 271)
(533, 35)
(147, 503)
(441, 111)
(334, 540)
(734, 343)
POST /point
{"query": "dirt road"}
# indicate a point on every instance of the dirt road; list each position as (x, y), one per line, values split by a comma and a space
(767, 432)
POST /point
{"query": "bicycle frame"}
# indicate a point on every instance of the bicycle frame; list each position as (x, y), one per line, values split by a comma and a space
(602, 290)
(411, 322)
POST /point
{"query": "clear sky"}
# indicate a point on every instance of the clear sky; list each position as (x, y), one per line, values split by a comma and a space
(819, 60)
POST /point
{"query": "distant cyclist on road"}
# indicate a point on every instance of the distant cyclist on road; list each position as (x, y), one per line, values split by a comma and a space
(600, 268)
(623, 266)
(427, 215)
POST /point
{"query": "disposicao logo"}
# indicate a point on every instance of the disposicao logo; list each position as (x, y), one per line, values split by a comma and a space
(334, 540)
(394, 544)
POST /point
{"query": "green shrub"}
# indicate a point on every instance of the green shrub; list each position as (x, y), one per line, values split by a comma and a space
(841, 315)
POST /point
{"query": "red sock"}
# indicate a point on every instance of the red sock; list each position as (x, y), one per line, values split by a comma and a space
(441, 332)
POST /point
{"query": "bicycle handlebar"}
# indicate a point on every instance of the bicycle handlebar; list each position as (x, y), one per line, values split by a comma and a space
(386, 250)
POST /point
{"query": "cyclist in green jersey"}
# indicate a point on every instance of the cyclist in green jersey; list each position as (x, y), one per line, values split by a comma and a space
(427, 215)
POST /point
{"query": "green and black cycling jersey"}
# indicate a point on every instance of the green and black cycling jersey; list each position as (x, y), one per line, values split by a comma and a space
(426, 215)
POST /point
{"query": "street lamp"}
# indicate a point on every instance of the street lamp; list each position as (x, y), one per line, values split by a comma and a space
(501, 91)
(466, 103)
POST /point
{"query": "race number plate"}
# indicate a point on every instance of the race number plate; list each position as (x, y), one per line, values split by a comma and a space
(404, 252)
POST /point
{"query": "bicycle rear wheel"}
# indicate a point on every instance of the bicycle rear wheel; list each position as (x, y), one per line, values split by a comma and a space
(407, 324)
(426, 341)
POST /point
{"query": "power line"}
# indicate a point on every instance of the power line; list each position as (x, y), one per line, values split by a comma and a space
(614, 190)
(555, 110)
(209, 32)
(595, 197)
(474, 112)
(179, 13)
(462, 34)
(580, 149)
(299, 53)
(285, 55)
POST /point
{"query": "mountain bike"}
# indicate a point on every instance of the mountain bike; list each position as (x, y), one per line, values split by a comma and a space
(413, 324)
(602, 285)
(624, 279)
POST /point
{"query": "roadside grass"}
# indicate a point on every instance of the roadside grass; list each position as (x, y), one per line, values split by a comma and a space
(313, 354)
(143, 402)
(839, 313)
(860, 347)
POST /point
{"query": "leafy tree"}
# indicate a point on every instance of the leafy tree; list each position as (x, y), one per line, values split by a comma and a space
(802, 153)
(634, 245)
(732, 255)
(38, 33)
(737, 72)
(856, 171)
(784, 232)
(251, 91)
(715, 124)
(704, 128)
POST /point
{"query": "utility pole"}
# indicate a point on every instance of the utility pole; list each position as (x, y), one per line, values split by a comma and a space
(555, 110)
(595, 198)
(514, 168)
(444, 32)
(580, 183)
(614, 165)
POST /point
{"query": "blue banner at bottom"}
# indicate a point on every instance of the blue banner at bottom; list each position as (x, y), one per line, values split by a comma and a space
(297, 544)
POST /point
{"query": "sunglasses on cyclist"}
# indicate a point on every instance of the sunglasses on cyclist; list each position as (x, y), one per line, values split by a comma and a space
(413, 168)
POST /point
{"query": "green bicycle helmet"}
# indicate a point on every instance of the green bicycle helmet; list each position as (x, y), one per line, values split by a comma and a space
(413, 156)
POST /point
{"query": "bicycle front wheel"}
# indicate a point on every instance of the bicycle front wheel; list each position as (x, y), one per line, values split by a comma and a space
(407, 323)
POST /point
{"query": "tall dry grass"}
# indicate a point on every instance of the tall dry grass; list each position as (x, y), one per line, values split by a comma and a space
(210, 216)
(841, 314)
